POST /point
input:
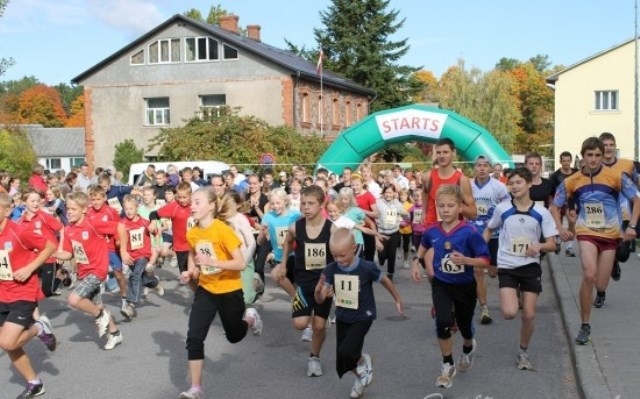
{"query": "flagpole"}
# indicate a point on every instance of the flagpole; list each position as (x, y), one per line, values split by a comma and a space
(636, 122)
(321, 104)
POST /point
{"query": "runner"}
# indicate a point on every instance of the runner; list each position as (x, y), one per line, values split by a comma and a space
(557, 178)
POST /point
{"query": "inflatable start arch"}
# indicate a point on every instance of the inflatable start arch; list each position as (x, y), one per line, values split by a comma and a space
(409, 123)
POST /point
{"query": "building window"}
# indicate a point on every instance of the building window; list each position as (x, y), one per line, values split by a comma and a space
(358, 111)
(137, 58)
(210, 104)
(201, 49)
(77, 162)
(335, 113)
(348, 114)
(157, 111)
(229, 52)
(606, 100)
(53, 163)
(164, 51)
(306, 108)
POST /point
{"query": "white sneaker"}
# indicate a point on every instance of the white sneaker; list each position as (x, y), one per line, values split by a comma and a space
(145, 293)
(365, 372)
(159, 289)
(256, 329)
(192, 393)
(113, 341)
(357, 389)
(103, 323)
(466, 360)
(173, 262)
(307, 335)
(127, 311)
(445, 379)
(314, 368)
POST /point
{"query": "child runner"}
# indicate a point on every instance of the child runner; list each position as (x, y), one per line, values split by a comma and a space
(350, 280)
(295, 188)
(390, 214)
(166, 229)
(85, 240)
(179, 212)
(596, 190)
(308, 238)
(453, 248)
(99, 211)
(405, 226)
(23, 252)
(149, 205)
(521, 222)
(136, 252)
(215, 262)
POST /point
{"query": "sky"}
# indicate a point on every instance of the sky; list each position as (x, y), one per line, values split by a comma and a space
(57, 40)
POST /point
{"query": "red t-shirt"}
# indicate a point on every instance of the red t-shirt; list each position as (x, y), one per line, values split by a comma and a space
(181, 221)
(139, 240)
(431, 215)
(18, 248)
(105, 214)
(45, 224)
(87, 241)
(365, 200)
(38, 182)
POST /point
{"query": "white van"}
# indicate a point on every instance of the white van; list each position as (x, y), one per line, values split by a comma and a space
(208, 168)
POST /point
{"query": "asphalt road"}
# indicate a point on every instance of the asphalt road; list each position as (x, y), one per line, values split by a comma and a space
(152, 364)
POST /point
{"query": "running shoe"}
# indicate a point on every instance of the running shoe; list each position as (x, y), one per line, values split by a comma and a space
(599, 301)
(307, 335)
(159, 288)
(113, 341)
(314, 367)
(65, 277)
(102, 323)
(365, 371)
(145, 292)
(445, 379)
(357, 389)
(46, 336)
(127, 311)
(584, 335)
(256, 329)
(192, 393)
(173, 262)
(615, 271)
(523, 362)
(466, 359)
(485, 316)
(32, 391)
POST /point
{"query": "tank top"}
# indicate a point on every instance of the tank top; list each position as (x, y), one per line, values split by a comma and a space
(431, 216)
(311, 254)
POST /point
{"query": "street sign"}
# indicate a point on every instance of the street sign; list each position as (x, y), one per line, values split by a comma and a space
(267, 159)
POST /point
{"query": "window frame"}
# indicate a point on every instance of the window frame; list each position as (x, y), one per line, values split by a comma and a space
(609, 97)
(49, 163)
(164, 116)
(224, 56)
(144, 57)
(196, 55)
(217, 107)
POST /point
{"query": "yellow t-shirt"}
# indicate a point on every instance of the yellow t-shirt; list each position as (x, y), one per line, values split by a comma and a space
(223, 240)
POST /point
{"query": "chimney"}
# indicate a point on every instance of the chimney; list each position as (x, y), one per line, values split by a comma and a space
(229, 22)
(253, 31)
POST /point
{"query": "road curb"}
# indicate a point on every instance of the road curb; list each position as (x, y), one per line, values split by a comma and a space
(590, 380)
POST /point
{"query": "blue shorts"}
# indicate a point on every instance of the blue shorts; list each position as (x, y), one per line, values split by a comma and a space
(114, 261)
(167, 238)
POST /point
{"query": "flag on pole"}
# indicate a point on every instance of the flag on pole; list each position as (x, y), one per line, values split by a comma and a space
(319, 65)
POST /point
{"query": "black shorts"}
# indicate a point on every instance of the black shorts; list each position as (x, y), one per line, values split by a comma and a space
(182, 257)
(493, 251)
(19, 312)
(525, 278)
(304, 303)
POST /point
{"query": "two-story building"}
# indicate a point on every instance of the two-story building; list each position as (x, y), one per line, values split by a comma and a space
(593, 96)
(184, 67)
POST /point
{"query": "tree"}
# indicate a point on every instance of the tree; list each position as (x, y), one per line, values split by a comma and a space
(507, 64)
(356, 44)
(429, 85)
(231, 138)
(68, 94)
(77, 115)
(41, 104)
(213, 18)
(16, 153)
(5, 63)
(126, 155)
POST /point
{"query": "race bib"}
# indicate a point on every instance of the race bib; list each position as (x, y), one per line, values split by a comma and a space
(191, 223)
(519, 245)
(79, 253)
(206, 248)
(281, 234)
(315, 256)
(115, 204)
(391, 217)
(6, 272)
(295, 203)
(447, 266)
(482, 208)
(346, 289)
(594, 215)
(136, 237)
(417, 216)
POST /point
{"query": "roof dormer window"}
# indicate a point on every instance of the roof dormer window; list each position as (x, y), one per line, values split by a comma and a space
(201, 49)
(164, 51)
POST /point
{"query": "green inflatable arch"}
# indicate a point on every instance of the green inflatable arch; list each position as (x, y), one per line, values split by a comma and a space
(409, 123)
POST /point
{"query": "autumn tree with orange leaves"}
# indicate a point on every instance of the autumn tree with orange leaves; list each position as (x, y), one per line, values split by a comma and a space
(76, 119)
(41, 104)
